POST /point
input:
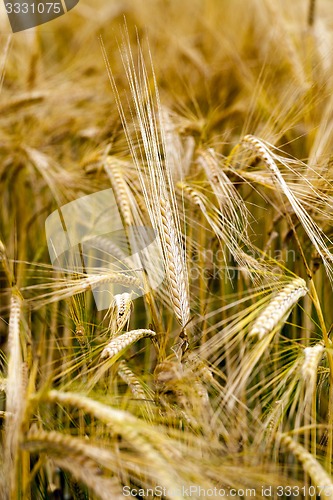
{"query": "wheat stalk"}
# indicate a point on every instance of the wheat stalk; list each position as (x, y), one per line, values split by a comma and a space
(14, 394)
(314, 232)
(143, 438)
(229, 200)
(3, 383)
(120, 312)
(175, 265)
(113, 167)
(225, 230)
(118, 344)
(310, 465)
(5, 263)
(312, 357)
(59, 443)
(105, 244)
(68, 288)
(80, 334)
(155, 176)
(83, 471)
(279, 307)
(131, 380)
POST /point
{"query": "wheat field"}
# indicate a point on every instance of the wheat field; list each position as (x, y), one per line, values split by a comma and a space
(187, 351)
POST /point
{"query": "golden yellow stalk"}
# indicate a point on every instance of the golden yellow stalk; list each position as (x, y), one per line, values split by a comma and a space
(121, 308)
(118, 344)
(80, 458)
(142, 437)
(310, 465)
(314, 232)
(278, 308)
(80, 335)
(174, 265)
(131, 380)
(65, 289)
(105, 488)
(312, 357)
(113, 167)
(14, 396)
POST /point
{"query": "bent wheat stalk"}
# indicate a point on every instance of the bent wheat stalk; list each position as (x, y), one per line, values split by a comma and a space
(79, 457)
(84, 472)
(141, 437)
(279, 308)
(117, 345)
(314, 232)
(310, 465)
(131, 380)
(65, 289)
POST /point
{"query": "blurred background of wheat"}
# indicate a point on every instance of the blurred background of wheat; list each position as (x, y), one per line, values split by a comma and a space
(222, 377)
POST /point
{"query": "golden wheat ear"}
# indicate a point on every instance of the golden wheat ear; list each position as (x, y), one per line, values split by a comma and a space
(114, 169)
(310, 465)
(126, 374)
(319, 239)
(78, 457)
(175, 264)
(309, 365)
(151, 156)
(142, 439)
(279, 307)
(80, 334)
(120, 343)
(68, 287)
(14, 393)
(121, 309)
(312, 358)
